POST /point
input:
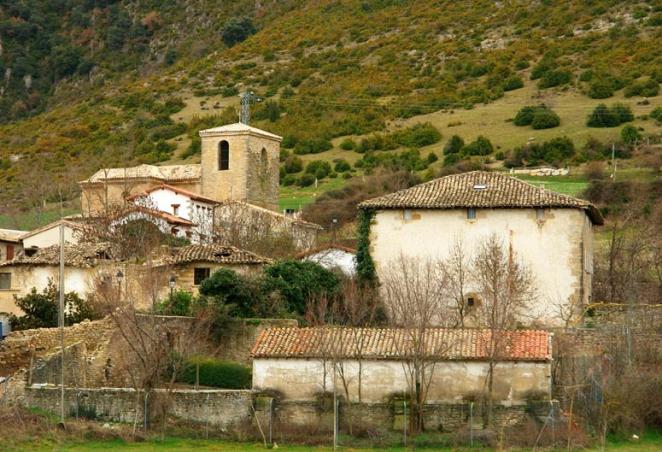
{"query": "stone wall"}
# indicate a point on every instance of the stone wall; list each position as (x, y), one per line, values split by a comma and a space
(220, 408)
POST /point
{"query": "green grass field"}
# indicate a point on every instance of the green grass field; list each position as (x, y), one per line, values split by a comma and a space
(650, 442)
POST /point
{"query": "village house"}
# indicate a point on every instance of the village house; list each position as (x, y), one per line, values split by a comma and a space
(550, 233)
(37, 268)
(298, 363)
(10, 244)
(188, 266)
(332, 257)
(238, 172)
(49, 234)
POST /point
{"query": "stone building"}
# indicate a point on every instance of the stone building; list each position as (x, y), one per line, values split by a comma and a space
(297, 363)
(239, 167)
(550, 233)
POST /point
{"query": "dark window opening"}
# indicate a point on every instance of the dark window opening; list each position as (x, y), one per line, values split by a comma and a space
(175, 209)
(5, 281)
(471, 301)
(10, 252)
(223, 155)
(199, 275)
(471, 213)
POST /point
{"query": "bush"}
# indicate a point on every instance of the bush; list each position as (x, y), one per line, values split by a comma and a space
(630, 134)
(289, 141)
(524, 116)
(600, 89)
(319, 168)
(306, 180)
(656, 114)
(298, 282)
(236, 30)
(179, 303)
(602, 116)
(312, 146)
(41, 309)
(513, 82)
(242, 296)
(420, 135)
(545, 118)
(347, 144)
(643, 88)
(454, 145)
(555, 78)
(342, 166)
(293, 164)
(216, 373)
(555, 151)
(480, 146)
(289, 180)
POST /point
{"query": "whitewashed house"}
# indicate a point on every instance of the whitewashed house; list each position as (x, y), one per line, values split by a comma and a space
(298, 363)
(550, 233)
(196, 210)
(49, 234)
(332, 257)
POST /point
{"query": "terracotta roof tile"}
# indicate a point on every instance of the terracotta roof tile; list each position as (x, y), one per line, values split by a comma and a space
(81, 255)
(220, 254)
(395, 343)
(479, 189)
(168, 173)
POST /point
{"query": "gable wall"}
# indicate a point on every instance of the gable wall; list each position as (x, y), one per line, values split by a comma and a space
(557, 250)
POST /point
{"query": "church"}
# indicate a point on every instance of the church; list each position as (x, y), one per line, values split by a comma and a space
(236, 181)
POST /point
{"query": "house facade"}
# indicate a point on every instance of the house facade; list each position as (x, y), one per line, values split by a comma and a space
(298, 363)
(10, 243)
(49, 234)
(550, 233)
(332, 257)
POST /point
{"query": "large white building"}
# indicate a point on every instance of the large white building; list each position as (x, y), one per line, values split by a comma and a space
(550, 233)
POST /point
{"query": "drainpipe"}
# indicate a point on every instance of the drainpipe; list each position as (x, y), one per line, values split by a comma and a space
(551, 362)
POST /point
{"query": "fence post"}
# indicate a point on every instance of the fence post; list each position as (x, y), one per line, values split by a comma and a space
(271, 430)
(207, 417)
(471, 424)
(404, 422)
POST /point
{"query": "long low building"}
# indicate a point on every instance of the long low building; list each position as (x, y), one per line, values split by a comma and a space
(298, 362)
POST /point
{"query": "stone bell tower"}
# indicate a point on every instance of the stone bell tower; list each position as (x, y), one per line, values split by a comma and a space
(240, 163)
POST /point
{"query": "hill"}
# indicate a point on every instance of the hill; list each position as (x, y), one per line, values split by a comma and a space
(100, 83)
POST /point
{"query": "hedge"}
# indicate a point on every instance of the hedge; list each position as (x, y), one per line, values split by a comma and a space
(217, 373)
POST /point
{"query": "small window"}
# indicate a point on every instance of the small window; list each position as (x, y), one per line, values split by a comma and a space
(407, 215)
(175, 209)
(223, 156)
(471, 213)
(199, 275)
(5, 281)
(471, 301)
(10, 252)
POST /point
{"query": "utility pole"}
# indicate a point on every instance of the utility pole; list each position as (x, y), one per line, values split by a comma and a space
(613, 162)
(61, 322)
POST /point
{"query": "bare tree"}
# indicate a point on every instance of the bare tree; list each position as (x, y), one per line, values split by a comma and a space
(413, 293)
(506, 288)
(457, 273)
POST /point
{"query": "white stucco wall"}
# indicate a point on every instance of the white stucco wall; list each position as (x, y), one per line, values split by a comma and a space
(50, 236)
(557, 250)
(302, 379)
(335, 258)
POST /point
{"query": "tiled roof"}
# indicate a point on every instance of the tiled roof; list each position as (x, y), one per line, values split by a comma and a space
(170, 173)
(11, 235)
(395, 343)
(80, 255)
(68, 223)
(181, 191)
(479, 189)
(238, 128)
(220, 254)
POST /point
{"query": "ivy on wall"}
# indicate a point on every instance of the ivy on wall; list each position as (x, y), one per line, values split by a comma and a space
(365, 266)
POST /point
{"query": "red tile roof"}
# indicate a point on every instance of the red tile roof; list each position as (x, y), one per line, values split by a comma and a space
(396, 343)
(221, 254)
(479, 189)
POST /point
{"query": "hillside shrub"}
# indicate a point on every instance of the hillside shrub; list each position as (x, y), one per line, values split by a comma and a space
(603, 116)
(600, 89)
(342, 166)
(454, 145)
(513, 82)
(319, 168)
(216, 373)
(556, 151)
(289, 141)
(242, 296)
(630, 134)
(555, 78)
(293, 164)
(306, 180)
(656, 114)
(347, 144)
(544, 118)
(312, 146)
(423, 134)
(480, 146)
(643, 88)
(236, 30)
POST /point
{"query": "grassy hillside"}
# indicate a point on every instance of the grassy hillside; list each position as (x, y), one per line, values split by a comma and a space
(327, 71)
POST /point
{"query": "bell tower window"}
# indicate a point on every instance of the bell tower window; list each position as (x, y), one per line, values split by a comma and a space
(223, 156)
